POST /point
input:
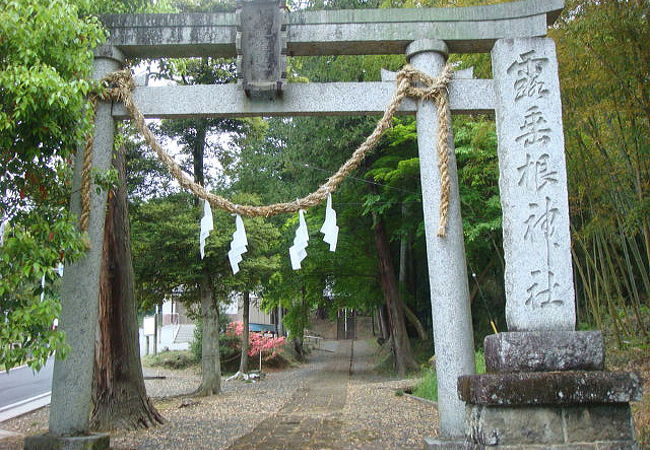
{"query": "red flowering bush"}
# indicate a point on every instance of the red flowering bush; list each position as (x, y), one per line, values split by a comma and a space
(257, 342)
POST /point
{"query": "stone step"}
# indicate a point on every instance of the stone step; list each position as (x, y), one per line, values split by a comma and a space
(550, 388)
(185, 334)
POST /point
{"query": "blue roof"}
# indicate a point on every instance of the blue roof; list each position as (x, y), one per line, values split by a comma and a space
(261, 327)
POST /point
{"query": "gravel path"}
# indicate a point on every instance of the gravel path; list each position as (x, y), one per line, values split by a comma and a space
(312, 418)
(332, 402)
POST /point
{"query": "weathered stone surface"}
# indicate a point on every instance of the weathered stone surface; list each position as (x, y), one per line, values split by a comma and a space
(550, 388)
(442, 444)
(583, 427)
(599, 423)
(533, 186)
(261, 47)
(72, 379)
(298, 99)
(536, 351)
(602, 445)
(95, 441)
(452, 317)
(492, 426)
(344, 32)
(468, 73)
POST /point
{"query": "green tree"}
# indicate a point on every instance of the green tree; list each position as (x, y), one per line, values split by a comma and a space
(604, 65)
(45, 63)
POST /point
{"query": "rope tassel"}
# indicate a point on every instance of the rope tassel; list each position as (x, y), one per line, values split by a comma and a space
(121, 86)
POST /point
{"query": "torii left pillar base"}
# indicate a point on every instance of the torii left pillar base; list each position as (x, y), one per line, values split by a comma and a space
(71, 406)
(47, 441)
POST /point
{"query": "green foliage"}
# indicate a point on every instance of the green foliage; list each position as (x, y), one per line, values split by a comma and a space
(226, 342)
(104, 180)
(45, 66)
(27, 335)
(46, 62)
(479, 358)
(166, 250)
(428, 385)
(604, 65)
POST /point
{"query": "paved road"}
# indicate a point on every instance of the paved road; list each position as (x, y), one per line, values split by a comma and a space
(21, 384)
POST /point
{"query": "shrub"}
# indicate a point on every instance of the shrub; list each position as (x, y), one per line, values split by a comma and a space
(230, 346)
(257, 342)
(170, 360)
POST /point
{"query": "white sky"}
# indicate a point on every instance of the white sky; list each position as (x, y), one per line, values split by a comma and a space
(212, 165)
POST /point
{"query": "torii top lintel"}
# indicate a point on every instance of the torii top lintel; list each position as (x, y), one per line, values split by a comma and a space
(337, 32)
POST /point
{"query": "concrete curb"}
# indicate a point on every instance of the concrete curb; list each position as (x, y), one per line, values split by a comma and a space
(24, 406)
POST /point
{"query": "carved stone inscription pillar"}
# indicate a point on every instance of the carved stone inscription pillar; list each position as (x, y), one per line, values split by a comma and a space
(546, 384)
(533, 186)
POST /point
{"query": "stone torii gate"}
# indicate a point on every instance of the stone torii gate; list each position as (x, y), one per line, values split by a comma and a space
(524, 95)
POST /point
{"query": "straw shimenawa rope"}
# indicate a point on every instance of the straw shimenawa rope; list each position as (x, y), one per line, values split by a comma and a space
(436, 91)
(121, 86)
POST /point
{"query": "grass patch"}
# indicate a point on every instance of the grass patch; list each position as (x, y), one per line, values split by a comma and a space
(170, 360)
(428, 386)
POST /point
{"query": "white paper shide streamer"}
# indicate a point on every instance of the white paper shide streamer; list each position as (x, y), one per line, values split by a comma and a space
(239, 244)
(297, 251)
(207, 225)
(329, 228)
(3, 225)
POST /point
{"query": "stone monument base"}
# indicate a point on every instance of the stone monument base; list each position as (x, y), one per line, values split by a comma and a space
(580, 427)
(47, 441)
(444, 444)
(548, 390)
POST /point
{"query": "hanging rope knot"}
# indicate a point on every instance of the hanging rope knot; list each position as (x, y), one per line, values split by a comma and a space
(435, 90)
(120, 85)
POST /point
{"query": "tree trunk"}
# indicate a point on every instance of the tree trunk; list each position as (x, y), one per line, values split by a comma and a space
(403, 250)
(119, 396)
(477, 279)
(280, 324)
(299, 336)
(401, 346)
(404, 246)
(210, 360)
(210, 357)
(243, 362)
(410, 315)
(383, 323)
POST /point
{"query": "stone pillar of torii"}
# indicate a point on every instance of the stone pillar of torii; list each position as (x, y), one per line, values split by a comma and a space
(538, 368)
